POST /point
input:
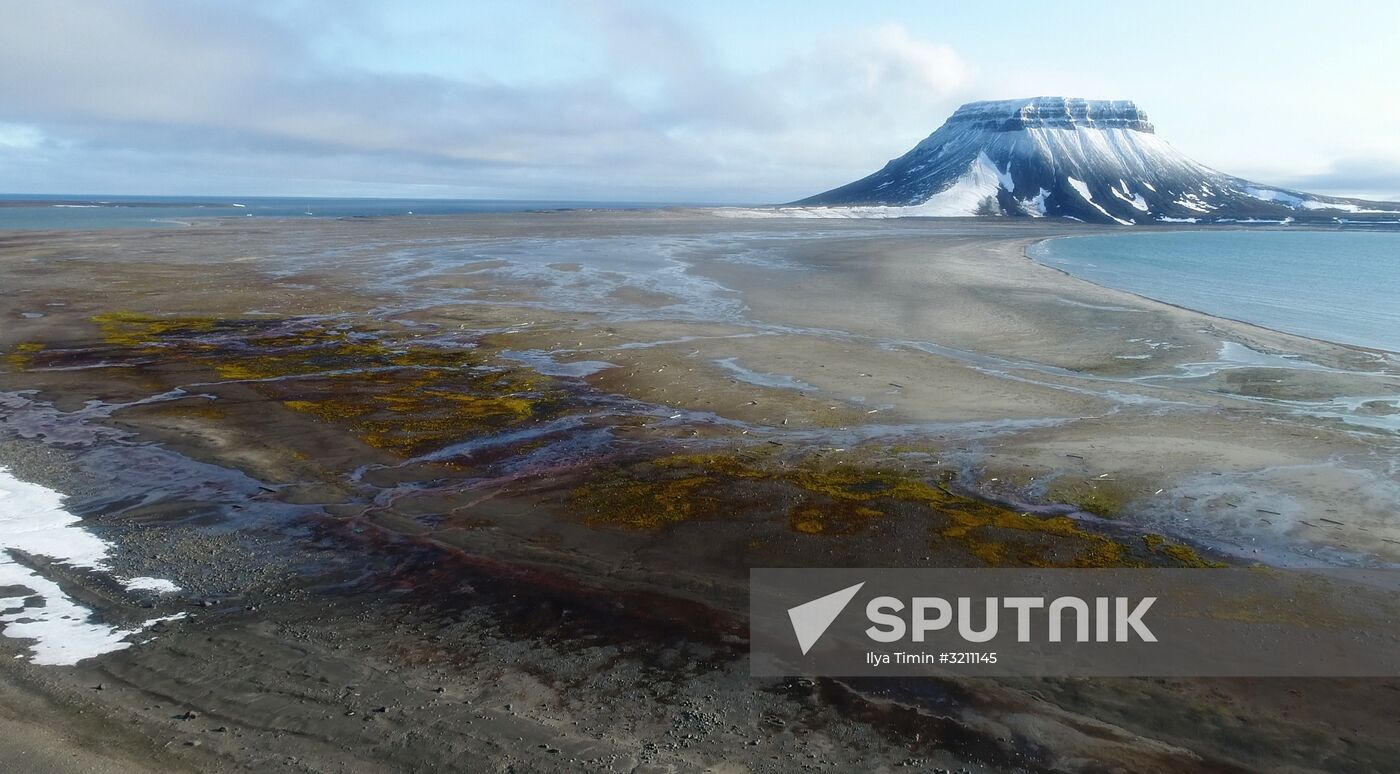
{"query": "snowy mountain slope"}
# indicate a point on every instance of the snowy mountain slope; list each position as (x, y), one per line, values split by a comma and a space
(1094, 160)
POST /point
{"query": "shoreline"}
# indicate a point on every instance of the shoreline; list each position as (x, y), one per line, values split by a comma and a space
(1392, 354)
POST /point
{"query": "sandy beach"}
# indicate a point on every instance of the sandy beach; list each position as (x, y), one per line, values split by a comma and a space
(482, 492)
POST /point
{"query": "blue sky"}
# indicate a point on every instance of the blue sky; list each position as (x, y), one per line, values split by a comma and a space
(701, 102)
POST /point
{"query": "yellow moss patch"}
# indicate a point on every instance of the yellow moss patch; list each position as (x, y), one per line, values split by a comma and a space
(395, 395)
(622, 501)
(411, 411)
(842, 500)
(22, 356)
(130, 329)
(1187, 557)
(845, 499)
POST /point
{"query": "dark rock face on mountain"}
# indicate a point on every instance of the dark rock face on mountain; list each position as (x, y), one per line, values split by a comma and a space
(1093, 160)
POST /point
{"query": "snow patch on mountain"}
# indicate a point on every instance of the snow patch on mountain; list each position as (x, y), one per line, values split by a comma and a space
(964, 197)
(1273, 195)
(1035, 206)
(982, 180)
(1083, 191)
(1135, 199)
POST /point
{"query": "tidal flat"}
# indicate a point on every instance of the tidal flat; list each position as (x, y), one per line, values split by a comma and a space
(485, 489)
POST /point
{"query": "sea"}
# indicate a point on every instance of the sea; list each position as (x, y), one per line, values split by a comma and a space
(1340, 286)
(65, 212)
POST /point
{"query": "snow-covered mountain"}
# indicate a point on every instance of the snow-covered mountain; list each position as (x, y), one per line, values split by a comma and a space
(1093, 160)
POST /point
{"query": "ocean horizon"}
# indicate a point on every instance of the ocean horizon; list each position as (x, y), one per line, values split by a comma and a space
(94, 211)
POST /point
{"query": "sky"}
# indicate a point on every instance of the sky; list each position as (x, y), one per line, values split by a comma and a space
(588, 100)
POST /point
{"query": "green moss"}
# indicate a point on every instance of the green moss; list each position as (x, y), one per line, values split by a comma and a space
(1102, 498)
(1100, 504)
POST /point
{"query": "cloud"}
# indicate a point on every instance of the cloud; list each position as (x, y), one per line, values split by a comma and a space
(123, 93)
(20, 137)
(1365, 178)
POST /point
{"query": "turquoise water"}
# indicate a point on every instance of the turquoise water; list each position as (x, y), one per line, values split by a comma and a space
(32, 211)
(1338, 286)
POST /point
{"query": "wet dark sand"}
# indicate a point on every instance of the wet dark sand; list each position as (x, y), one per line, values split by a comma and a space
(482, 492)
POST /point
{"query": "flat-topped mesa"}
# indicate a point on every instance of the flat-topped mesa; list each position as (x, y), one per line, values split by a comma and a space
(1095, 160)
(1010, 115)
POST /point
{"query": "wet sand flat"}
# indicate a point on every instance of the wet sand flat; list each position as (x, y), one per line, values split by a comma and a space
(487, 488)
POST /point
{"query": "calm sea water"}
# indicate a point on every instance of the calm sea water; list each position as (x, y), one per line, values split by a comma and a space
(1338, 286)
(27, 211)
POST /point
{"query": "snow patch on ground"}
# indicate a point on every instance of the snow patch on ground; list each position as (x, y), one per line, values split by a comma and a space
(158, 585)
(33, 521)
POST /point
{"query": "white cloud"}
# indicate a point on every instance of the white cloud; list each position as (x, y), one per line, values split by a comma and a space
(216, 88)
(892, 55)
(20, 137)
